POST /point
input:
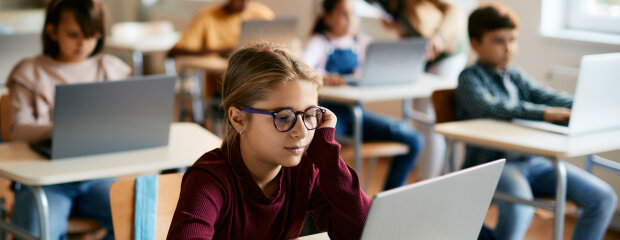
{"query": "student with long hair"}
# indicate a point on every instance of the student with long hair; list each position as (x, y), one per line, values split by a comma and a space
(278, 161)
(73, 37)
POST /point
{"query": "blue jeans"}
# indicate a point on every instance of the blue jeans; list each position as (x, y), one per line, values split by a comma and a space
(89, 199)
(381, 128)
(531, 176)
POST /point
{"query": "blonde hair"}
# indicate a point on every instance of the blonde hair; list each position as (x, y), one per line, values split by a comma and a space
(252, 72)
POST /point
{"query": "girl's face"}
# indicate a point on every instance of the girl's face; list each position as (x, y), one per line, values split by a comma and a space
(341, 20)
(73, 46)
(262, 142)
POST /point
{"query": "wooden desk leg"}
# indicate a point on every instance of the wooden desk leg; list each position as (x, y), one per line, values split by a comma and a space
(357, 111)
(43, 211)
(137, 59)
(560, 199)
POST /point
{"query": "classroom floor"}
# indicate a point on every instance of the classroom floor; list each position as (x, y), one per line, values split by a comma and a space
(540, 229)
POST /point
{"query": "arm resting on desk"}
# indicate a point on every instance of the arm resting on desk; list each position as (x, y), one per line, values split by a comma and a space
(337, 203)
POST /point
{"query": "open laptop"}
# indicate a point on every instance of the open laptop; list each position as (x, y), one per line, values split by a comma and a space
(452, 206)
(102, 117)
(389, 63)
(280, 30)
(596, 106)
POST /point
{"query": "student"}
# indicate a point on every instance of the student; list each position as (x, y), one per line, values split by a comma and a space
(216, 29)
(444, 26)
(491, 89)
(442, 23)
(336, 50)
(73, 37)
(278, 160)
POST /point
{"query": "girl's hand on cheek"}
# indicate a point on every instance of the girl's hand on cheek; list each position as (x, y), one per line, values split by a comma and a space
(329, 119)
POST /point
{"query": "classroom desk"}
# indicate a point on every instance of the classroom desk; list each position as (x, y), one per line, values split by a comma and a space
(138, 48)
(354, 96)
(508, 136)
(318, 236)
(188, 142)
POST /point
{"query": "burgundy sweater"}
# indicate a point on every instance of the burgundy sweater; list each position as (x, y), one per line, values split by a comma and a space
(220, 200)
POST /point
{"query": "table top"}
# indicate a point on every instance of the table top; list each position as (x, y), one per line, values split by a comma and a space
(509, 136)
(188, 141)
(160, 43)
(422, 88)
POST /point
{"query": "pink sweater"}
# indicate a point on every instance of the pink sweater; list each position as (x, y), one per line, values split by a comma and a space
(32, 84)
(220, 200)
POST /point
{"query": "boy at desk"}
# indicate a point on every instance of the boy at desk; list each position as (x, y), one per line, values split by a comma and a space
(491, 89)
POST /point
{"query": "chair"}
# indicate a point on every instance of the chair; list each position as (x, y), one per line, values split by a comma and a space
(5, 116)
(122, 200)
(373, 151)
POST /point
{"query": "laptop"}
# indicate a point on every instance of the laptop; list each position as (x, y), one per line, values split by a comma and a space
(596, 106)
(280, 30)
(389, 63)
(15, 47)
(102, 117)
(452, 206)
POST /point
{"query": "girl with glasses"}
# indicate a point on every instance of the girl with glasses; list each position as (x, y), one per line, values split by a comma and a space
(278, 161)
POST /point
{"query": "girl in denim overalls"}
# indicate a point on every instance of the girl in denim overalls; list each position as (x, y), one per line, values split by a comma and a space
(336, 50)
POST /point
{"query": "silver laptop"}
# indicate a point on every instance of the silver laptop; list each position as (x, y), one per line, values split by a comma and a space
(452, 206)
(596, 106)
(15, 47)
(280, 30)
(103, 117)
(389, 63)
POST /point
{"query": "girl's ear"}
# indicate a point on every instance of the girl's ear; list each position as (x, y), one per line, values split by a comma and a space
(50, 30)
(238, 119)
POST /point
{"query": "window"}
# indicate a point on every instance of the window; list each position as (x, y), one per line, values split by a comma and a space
(582, 20)
(594, 15)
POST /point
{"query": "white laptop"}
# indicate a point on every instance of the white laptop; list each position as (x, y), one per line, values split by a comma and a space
(102, 117)
(280, 30)
(389, 63)
(452, 206)
(596, 106)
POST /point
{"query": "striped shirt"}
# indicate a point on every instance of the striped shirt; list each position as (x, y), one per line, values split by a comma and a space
(483, 92)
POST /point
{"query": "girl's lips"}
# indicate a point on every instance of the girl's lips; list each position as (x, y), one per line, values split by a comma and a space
(297, 150)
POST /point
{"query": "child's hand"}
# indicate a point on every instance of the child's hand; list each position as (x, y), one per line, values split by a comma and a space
(333, 80)
(329, 119)
(556, 115)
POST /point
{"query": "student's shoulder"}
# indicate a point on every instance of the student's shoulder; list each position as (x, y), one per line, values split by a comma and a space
(258, 10)
(213, 165)
(115, 66)
(471, 72)
(25, 71)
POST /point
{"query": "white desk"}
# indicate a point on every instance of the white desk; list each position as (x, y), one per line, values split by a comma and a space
(138, 47)
(511, 137)
(353, 96)
(188, 142)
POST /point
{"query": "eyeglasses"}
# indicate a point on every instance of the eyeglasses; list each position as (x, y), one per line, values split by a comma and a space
(285, 119)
